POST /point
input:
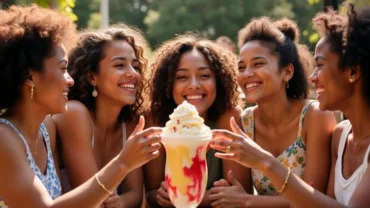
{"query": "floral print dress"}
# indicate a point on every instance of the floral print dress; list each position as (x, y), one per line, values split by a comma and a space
(50, 179)
(293, 157)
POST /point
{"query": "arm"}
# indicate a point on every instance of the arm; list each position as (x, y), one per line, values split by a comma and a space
(50, 125)
(16, 170)
(154, 174)
(75, 132)
(241, 173)
(297, 191)
(318, 126)
(334, 155)
(132, 186)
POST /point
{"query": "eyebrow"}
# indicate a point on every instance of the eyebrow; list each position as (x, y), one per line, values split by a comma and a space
(319, 57)
(258, 57)
(121, 58)
(200, 68)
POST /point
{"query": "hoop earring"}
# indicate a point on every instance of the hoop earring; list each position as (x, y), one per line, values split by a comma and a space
(94, 93)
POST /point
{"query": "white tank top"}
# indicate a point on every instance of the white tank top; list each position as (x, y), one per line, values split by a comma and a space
(344, 188)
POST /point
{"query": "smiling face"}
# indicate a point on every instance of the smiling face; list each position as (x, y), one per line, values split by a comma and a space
(194, 82)
(331, 83)
(118, 77)
(51, 85)
(259, 76)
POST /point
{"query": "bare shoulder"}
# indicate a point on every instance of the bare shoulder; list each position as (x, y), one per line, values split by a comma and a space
(315, 115)
(76, 112)
(10, 142)
(337, 133)
(224, 120)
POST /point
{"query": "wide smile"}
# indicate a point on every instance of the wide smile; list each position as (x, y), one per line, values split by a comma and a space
(194, 98)
(128, 87)
(319, 91)
(252, 86)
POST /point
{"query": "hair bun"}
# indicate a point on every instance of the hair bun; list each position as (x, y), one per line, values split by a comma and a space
(288, 27)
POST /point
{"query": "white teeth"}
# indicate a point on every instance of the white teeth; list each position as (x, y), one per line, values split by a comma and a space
(319, 90)
(131, 86)
(194, 97)
(65, 93)
(252, 85)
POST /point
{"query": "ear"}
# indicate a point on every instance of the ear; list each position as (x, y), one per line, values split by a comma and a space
(30, 81)
(91, 78)
(354, 73)
(288, 72)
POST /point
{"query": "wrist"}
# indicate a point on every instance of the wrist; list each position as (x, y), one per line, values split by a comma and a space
(266, 163)
(248, 200)
(123, 168)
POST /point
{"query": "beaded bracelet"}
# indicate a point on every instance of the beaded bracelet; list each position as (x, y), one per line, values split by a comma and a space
(286, 181)
(102, 185)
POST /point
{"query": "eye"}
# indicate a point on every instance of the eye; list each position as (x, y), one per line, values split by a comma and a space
(64, 69)
(205, 76)
(181, 77)
(241, 68)
(119, 65)
(258, 64)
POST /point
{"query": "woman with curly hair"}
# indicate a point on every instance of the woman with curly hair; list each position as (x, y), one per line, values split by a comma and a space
(34, 83)
(202, 73)
(342, 82)
(272, 74)
(106, 102)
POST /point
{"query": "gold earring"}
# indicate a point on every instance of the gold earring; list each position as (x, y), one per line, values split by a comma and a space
(287, 83)
(94, 92)
(32, 91)
(351, 79)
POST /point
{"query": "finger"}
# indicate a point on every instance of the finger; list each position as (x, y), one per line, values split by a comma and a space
(216, 203)
(163, 202)
(153, 147)
(152, 139)
(139, 127)
(220, 183)
(226, 135)
(148, 132)
(163, 194)
(216, 190)
(236, 129)
(222, 145)
(164, 186)
(112, 200)
(232, 180)
(226, 156)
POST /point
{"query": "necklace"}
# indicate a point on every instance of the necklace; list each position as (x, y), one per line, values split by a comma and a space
(363, 138)
(36, 142)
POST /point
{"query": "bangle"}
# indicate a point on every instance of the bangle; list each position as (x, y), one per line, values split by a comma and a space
(102, 185)
(286, 181)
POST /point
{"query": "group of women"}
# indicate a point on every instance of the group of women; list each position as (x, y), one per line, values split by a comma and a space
(74, 116)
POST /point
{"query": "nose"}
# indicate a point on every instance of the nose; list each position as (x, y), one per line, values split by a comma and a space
(314, 77)
(194, 83)
(70, 81)
(248, 73)
(131, 73)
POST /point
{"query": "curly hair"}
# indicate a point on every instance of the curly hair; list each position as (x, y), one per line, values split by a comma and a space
(282, 37)
(28, 35)
(85, 58)
(349, 37)
(222, 63)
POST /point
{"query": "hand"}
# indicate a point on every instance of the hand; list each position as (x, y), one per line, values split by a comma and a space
(141, 147)
(241, 148)
(113, 201)
(162, 196)
(228, 193)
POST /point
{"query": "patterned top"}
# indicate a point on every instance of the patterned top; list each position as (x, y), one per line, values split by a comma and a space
(293, 156)
(50, 179)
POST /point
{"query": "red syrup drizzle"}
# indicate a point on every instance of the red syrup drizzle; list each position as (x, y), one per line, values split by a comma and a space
(169, 186)
(195, 173)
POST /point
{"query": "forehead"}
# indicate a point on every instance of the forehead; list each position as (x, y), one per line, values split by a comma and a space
(323, 49)
(119, 47)
(192, 58)
(255, 47)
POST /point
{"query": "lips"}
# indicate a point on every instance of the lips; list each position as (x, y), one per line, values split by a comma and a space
(252, 86)
(127, 86)
(320, 90)
(194, 97)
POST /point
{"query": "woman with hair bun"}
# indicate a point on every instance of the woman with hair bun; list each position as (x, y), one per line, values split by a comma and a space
(272, 74)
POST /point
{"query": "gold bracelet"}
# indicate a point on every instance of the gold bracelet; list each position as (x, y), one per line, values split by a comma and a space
(102, 185)
(286, 181)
